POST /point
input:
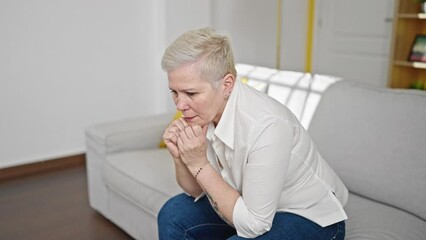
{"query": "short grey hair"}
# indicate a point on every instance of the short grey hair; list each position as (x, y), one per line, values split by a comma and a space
(205, 47)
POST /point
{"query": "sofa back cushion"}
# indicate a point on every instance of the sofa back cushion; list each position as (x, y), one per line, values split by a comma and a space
(375, 139)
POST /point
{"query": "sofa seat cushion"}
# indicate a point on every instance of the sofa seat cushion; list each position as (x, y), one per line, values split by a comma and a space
(369, 219)
(145, 177)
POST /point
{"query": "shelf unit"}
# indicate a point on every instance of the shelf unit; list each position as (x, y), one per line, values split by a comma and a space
(408, 22)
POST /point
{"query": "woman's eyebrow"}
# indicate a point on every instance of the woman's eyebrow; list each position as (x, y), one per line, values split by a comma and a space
(184, 90)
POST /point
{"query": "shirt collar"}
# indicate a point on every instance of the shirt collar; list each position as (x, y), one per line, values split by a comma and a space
(225, 130)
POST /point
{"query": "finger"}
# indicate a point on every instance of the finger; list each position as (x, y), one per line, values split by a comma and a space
(169, 135)
(184, 122)
(189, 132)
(183, 137)
(179, 125)
(169, 138)
(175, 131)
(173, 150)
(179, 143)
(173, 138)
(198, 131)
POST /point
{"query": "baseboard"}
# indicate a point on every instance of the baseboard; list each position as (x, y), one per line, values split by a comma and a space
(43, 166)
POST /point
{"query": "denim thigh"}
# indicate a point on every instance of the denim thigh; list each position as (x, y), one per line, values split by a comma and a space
(290, 226)
(182, 218)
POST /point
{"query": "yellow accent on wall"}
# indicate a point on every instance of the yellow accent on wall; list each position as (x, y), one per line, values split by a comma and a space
(278, 34)
(309, 35)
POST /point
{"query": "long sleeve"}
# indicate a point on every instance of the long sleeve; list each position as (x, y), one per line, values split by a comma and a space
(264, 179)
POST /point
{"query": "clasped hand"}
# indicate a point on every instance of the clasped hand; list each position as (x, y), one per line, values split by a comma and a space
(187, 144)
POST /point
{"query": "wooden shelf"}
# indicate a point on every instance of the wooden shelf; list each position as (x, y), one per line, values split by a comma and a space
(408, 23)
(412, 15)
(418, 65)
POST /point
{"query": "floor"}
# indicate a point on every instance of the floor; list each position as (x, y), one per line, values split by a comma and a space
(52, 205)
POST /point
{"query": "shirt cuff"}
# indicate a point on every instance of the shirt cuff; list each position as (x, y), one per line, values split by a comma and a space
(245, 223)
(199, 196)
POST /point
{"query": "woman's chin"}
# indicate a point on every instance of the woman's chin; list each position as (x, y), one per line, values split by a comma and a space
(192, 124)
(197, 123)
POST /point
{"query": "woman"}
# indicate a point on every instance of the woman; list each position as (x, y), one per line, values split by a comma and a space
(247, 166)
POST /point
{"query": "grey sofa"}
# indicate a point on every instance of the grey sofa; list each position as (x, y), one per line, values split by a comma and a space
(374, 138)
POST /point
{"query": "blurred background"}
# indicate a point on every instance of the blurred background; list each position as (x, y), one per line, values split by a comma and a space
(65, 65)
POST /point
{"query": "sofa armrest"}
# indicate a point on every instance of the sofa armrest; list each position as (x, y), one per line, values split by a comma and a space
(114, 137)
(130, 134)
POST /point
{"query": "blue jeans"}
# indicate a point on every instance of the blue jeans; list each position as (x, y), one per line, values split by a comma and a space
(181, 218)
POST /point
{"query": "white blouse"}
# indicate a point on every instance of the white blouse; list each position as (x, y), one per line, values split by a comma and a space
(262, 151)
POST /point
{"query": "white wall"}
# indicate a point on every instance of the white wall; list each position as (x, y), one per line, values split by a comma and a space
(68, 64)
(251, 24)
(181, 16)
(293, 40)
(184, 15)
(65, 65)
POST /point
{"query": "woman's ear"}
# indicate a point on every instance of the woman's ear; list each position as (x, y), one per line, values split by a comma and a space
(228, 83)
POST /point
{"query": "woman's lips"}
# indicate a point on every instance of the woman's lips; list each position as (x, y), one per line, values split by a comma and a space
(188, 119)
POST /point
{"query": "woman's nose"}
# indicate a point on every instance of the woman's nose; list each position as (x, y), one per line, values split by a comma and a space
(181, 104)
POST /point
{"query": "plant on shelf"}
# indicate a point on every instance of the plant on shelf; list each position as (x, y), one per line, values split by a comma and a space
(423, 4)
(418, 85)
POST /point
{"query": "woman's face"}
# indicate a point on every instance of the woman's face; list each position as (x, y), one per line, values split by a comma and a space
(198, 100)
